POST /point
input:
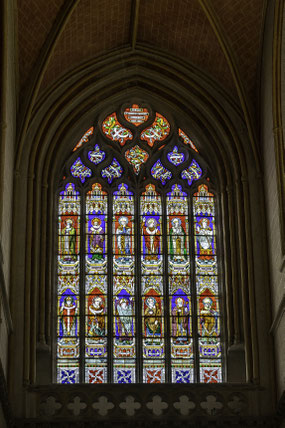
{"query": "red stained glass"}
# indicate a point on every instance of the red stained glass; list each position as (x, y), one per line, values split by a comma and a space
(136, 115)
(187, 140)
(211, 376)
(153, 376)
(158, 131)
(84, 139)
(113, 130)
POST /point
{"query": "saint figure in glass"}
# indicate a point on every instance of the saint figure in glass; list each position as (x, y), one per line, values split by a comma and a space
(68, 311)
(177, 240)
(96, 239)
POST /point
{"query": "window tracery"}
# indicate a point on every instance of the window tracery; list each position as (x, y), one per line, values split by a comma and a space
(137, 266)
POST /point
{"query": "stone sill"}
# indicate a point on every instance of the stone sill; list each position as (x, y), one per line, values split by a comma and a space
(143, 401)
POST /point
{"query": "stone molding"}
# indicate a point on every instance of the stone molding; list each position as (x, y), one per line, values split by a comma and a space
(121, 401)
(282, 265)
(4, 399)
(278, 132)
(4, 300)
(279, 315)
(176, 406)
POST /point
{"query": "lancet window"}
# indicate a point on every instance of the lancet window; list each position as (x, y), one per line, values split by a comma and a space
(138, 280)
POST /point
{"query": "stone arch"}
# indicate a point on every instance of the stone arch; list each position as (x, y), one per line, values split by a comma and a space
(58, 120)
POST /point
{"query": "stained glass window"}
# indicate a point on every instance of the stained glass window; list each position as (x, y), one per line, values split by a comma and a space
(138, 281)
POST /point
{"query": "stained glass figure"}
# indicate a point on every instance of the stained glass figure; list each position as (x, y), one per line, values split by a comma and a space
(152, 286)
(114, 170)
(159, 172)
(96, 156)
(136, 156)
(68, 311)
(96, 246)
(115, 131)
(158, 131)
(68, 270)
(179, 285)
(207, 287)
(175, 157)
(96, 230)
(193, 172)
(79, 170)
(186, 140)
(136, 115)
(124, 285)
(84, 139)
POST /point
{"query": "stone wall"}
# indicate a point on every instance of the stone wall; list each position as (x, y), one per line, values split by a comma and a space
(8, 129)
(7, 145)
(276, 260)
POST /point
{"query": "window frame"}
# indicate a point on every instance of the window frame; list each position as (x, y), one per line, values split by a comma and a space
(98, 138)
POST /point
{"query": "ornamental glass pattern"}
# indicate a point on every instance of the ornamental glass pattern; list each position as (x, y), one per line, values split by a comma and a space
(138, 283)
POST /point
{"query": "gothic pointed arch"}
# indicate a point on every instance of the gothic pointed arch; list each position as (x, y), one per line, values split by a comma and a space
(200, 113)
(138, 284)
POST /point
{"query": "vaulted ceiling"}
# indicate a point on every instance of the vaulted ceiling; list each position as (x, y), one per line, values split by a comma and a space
(223, 38)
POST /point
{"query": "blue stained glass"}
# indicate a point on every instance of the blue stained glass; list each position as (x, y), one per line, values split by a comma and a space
(182, 376)
(193, 172)
(123, 193)
(67, 376)
(70, 194)
(79, 170)
(114, 170)
(96, 156)
(175, 157)
(124, 376)
(160, 173)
